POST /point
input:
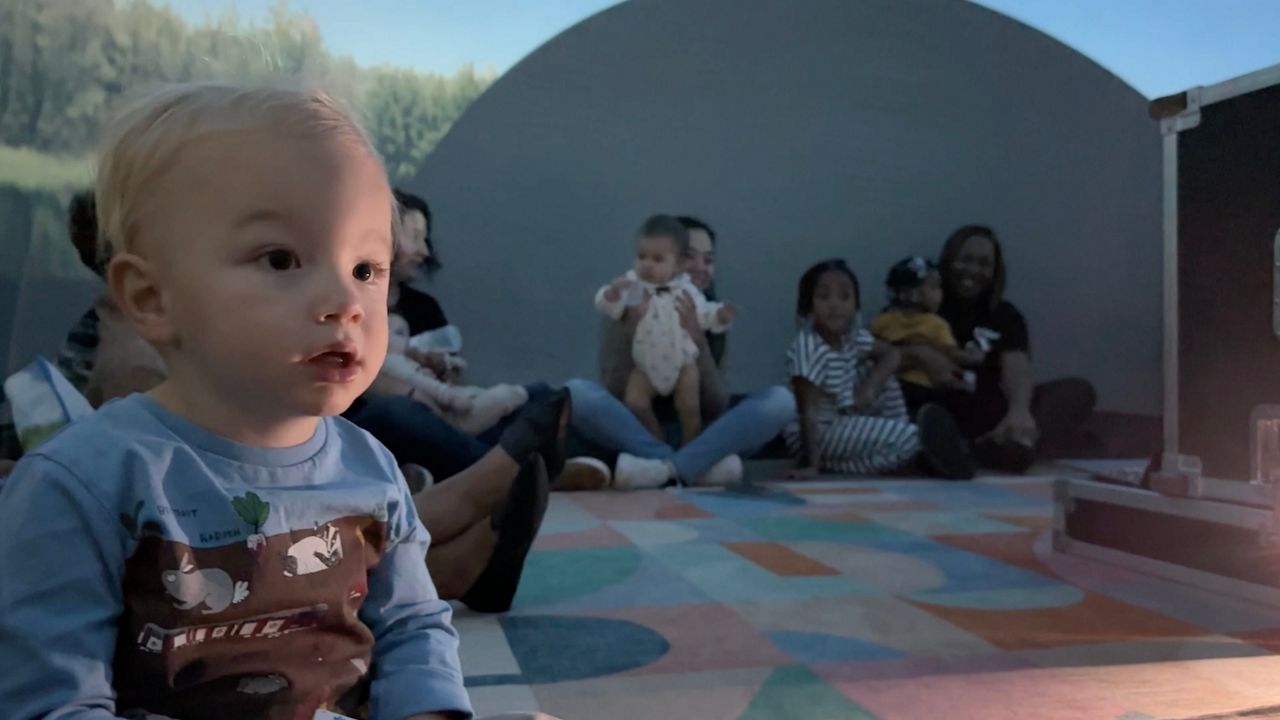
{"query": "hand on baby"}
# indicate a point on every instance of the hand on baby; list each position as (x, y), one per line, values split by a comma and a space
(972, 356)
(455, 400)
(688, 313)
(433, 360)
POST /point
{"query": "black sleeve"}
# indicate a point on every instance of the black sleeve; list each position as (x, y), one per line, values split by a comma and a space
(1014, 336)
(420, 310)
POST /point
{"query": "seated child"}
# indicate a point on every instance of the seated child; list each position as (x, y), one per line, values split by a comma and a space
(223, 546)
(665, 355)
(852, 417)
(915, 292)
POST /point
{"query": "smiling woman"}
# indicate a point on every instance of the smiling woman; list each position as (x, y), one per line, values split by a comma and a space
(1009, 419)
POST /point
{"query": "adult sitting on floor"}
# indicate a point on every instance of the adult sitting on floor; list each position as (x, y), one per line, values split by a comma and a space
(482, 518)
(604, 433)
(394, 411)
(422, 354)
(1007, 418)
(503, 468)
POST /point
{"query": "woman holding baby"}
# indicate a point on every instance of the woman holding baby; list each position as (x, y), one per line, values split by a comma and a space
(610, 445)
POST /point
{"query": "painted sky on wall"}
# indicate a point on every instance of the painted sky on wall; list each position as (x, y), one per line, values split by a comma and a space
(1158, 46)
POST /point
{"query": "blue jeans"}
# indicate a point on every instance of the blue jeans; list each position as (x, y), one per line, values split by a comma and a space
(415, 434)
(608, 427)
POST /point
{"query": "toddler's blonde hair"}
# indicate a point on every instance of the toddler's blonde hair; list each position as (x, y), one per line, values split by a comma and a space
(147, 136)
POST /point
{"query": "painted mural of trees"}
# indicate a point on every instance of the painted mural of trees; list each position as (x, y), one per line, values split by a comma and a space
(63, 63)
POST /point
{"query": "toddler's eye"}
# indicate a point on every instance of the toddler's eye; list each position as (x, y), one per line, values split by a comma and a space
(281, 260)
(367, 271)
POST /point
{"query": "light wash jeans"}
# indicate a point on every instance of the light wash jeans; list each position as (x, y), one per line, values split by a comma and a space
(602, 420)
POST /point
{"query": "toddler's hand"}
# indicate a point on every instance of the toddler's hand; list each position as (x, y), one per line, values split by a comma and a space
(616, 288)
(631, 316)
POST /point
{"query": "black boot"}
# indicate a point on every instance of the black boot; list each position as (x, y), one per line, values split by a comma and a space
(517, 523)
(943, 447)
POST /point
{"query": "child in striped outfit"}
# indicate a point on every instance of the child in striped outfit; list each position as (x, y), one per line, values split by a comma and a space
(852, 416)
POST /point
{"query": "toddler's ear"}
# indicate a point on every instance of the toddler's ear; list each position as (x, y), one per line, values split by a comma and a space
(132, 282)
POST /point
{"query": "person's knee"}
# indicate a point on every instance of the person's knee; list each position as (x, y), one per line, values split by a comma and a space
(1073, 396)
(1085, 390)
(537, 391)
(581, 390)
(778, 405)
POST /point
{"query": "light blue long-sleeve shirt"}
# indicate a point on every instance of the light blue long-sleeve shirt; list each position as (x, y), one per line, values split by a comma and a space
(152, 567)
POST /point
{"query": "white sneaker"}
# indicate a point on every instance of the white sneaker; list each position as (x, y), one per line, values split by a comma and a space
(583, 473)
(726, 472)
(633, 473)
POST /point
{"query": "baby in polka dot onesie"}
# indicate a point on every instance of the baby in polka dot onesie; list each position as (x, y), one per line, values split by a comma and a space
(665, 354)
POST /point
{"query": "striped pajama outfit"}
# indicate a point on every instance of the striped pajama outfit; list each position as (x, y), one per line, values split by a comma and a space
(880, 441)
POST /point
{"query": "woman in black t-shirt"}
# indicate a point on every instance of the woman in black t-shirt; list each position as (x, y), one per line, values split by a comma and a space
(410, 300)
(478, 547)
(1009, 419)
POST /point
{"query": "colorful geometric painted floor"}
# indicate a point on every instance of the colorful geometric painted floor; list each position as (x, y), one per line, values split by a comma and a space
(852, 599)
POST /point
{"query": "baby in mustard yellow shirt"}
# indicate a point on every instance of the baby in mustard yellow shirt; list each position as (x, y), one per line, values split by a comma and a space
(915, 292)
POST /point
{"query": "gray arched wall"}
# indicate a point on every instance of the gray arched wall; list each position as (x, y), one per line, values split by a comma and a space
(867, 129)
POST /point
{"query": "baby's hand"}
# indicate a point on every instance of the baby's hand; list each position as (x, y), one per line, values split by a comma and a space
(617, 287)
(726, 313)
(631, 316)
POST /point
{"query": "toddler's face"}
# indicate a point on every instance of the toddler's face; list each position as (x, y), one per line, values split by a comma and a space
(834, 305)
(656, 260)
(929, 295)
(272, 253)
